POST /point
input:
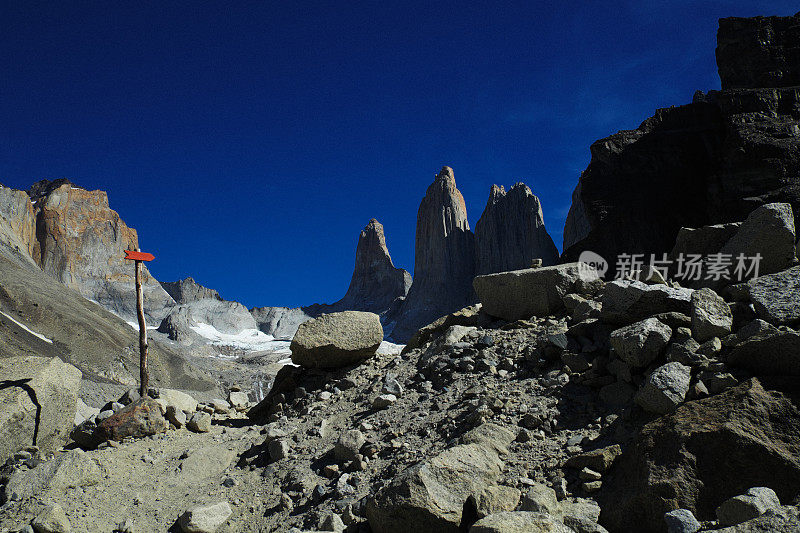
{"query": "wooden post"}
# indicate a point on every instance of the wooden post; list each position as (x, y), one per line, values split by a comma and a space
(144, 377)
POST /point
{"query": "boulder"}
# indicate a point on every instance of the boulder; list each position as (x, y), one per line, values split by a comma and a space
(711, 316)
(541, 499)
(74, 468)
(520, 294)
(177, 399)
(444, 259)
(775, 353)
(510, 233)
(768, 231)
(519, 522)
(665, 388)
(598, 460)
(784, 520)
(337, 340)
(641, 343)
(681, 521)
(706, 452)
(430, 495)
(776, 297)
(205, 518)
(626, 301)
(200, 422)
(51, 519)
(704, 241)
(752, 504)
(141, 418)
(38, 403)
(495, 499)
(464, 317)
(349, 445)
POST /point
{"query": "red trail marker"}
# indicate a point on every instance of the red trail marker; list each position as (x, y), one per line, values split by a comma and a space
(144, 377)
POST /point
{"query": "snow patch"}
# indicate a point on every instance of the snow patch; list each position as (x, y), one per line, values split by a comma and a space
(26, 328)
(389, 348)
(248, 339)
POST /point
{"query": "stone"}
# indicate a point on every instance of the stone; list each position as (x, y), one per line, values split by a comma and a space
(431, 495)
(752, 504)
(176, 417)
(625, 302)
(587, 474)
(519, 522)
(337, 340)
(391, 386)
(444, 259)
(768, 231)
(495, 499)
(580, 509)
(641, 343)
(467, 316)
(520, 294)
(705, 452)
(51, 520)
(238, 400)
(541, 499)
(681, 521)
(220, 405)
(490, 435)
(84, 412)
(74, 468)
(205, 518)
(703, 241)
(383, 401)
(768, 353)
(179, 400)
(716, 382)
(37, 404)
(510, 233)
(711, 316)
(599, 460)
(455, 334)
(775, 297)
(141, 418)
(665, 388)
(278, 449)
(188, 290)
(205, 463)
(349, 445)
(200, 422)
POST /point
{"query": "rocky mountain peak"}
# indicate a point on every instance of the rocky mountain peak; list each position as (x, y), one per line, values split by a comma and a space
(188, 290)
(510, 233)
(43, 188)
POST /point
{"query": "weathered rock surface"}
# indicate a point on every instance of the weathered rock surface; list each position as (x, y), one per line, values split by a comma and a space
(81, 242)
(642, 342)
(510, 233)
(205, 518)
(628, 301)
(665, 389)
(752, 504)
(337, 339)
(519, 522)
(444, 258)
(768, 232)
(431, 495)
(37, 403)
(706, 452)
(141, 418)
(711, 316)
(776, 297)
(376, 282)
(223, 316)
(188, 290)
(758, 52)
(708, 162)
(17, 226)
(520, 294)
(74, 468)
(773, 353)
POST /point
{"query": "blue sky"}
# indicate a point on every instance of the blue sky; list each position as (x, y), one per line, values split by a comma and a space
(249, 142)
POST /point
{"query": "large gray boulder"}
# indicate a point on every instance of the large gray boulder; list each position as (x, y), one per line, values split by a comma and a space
(520, 294)
(776, 297)
(74, 468)
(519, 522)
(770, 232)
(430, 496)
(37, 403)
(626, 301)
(665, 389)
(641, 343)
(752, 504)
(337, 339)
(711, 316)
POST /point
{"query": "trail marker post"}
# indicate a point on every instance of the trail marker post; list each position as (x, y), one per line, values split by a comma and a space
(138, 257)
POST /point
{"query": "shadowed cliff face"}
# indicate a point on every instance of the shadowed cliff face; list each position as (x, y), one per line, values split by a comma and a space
(510, 233)
(444, 259)
(708, 162)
